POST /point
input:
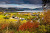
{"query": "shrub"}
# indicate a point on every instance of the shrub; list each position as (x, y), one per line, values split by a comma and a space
(30, 26)
(47, 17)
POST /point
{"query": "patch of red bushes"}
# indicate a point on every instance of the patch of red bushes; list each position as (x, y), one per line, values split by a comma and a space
(29, 25)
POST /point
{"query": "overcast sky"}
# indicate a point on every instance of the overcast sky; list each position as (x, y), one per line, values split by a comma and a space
(20, 1)
(32, 4)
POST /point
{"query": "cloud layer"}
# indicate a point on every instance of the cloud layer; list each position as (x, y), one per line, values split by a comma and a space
(31, 6)
(21, 1)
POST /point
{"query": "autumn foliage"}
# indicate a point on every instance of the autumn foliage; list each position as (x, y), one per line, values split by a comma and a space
(47, 16)
(28, 26)
(3, 26)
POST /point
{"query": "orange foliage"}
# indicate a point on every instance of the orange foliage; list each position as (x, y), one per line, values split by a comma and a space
(28, 25)
(4, 26)
(47, 16)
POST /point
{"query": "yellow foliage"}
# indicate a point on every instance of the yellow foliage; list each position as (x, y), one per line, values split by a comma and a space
(24, 21)
(0, 12)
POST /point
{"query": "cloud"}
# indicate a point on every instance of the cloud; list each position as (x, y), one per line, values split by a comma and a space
(12, 1)
(31, 6)
(33, 1)
(22, 1)
(2, 2)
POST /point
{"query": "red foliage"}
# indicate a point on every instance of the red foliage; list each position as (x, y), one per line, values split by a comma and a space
(11, 32)
(28, 25)
(3, 26)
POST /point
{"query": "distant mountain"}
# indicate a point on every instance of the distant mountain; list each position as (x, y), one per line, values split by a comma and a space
(18, 9)
(24, 9)
(9, 9)
(38, 9)
(31, 9)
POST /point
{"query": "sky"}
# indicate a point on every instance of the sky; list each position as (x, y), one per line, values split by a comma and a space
(20, 1)
(32, 4)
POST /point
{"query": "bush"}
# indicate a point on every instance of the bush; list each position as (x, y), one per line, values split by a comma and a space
(6, 17)
(30, 26)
